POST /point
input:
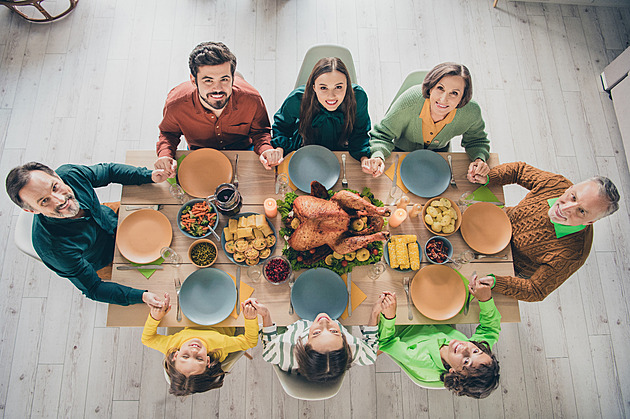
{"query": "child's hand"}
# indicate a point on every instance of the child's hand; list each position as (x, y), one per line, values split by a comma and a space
(388, 304)
(249, 311)
(481, 288)
(158, 313)
(262, 310)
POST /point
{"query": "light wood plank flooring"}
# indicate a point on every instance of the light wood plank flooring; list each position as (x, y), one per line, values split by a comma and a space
(90, 87)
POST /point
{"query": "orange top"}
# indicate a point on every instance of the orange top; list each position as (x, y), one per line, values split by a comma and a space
(429, 128)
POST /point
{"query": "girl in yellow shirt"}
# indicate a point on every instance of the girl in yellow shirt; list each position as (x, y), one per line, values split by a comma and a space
(193, 356)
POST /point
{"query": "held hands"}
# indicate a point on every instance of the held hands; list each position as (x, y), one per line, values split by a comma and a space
(249, 311)
(158, 308)
(388, 304)
(481, 288)
(271, 158)
(167, 164)
(477, 171)
(373, 166)
(262, 310)
(158, 176)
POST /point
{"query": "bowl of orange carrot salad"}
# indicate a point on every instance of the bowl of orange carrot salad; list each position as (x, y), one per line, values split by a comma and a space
(197, 219)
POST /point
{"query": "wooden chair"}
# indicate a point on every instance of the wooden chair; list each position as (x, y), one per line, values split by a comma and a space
(317, 52)
(23, 234)
(22, 6)
(300, 388)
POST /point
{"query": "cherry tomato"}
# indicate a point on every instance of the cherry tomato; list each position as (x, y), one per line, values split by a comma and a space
(375, 251)
(344, 263)
(300, 258)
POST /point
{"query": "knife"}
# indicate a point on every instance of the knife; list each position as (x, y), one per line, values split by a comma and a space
(238, 289)
(468, 298)
(489, 202)
(392, 191)
(349, 294)
(178, 286)
(128, 267)
(275, 180)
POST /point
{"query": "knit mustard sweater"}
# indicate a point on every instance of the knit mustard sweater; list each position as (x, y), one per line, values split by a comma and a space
(545, 260)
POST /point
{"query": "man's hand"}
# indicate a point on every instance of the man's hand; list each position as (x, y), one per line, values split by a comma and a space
(481, 288)
(477, 171)
(249, 311)
(167, 164)
(158, 307)
(158, 176)
(271, 158)
(374, 166)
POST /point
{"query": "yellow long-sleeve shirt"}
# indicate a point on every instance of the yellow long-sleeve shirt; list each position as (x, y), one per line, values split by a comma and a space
(213, 337)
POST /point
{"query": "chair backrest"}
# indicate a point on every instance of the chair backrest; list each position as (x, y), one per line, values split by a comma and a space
(412, 79)
(431, 385)
(317, 52)
(23, 234)
(300, 388)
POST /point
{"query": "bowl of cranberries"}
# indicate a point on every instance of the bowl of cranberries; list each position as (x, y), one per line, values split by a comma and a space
(277, 270)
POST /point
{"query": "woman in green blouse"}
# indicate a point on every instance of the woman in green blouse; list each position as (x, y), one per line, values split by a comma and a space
(436, 353)
(329, 111)
(429, 116)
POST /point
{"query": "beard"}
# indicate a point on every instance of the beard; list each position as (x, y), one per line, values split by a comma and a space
(71, 211)
(214, 103)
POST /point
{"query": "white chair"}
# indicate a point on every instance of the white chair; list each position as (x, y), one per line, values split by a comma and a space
(414, 78)
(23, 234)
(431, 385)
(317, 52)
(300, 388)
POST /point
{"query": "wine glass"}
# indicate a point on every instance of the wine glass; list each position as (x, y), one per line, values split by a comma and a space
(463, 258)
(465, 200)
(283, 183)
(177, 192)
(171, 256)
(376, 270)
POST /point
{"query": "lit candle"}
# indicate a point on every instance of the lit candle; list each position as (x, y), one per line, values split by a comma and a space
(415, 210)
(397, 217)
(271, 208)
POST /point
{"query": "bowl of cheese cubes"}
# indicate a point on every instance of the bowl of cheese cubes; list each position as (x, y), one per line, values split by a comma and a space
(402, 252)
(441, 216)
(248, 239)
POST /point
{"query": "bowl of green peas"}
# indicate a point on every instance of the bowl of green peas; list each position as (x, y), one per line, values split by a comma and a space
(202, 253)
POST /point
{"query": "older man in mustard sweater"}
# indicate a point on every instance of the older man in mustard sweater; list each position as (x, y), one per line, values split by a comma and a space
(552, 227)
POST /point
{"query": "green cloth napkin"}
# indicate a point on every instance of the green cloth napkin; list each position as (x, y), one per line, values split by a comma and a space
(148, 272)
(561, 229)
(173, 180)
(484, 194)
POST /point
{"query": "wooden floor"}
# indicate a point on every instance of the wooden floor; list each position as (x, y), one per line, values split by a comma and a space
(90, 87)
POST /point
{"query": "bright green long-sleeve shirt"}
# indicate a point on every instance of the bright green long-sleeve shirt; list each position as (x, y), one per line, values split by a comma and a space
(77, 248)
(417, 348)
(216, 339)
(402, 128)
(328, 126)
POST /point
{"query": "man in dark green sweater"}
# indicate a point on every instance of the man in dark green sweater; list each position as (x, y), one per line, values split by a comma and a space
(72, 232)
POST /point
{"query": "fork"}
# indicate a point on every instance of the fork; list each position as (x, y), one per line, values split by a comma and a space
(406, 286)
(481, 256)
(291, 282)
(450, 164)
(344, 181)
(178, 286)
(235, 181)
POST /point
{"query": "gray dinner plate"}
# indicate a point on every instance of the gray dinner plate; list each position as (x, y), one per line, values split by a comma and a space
(319, 290)
(425, 173)
(313, 162)
(207, 296)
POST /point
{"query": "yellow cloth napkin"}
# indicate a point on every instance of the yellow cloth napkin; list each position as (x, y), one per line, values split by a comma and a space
(357, 297)
(284, 168)
(148, 272)
(246, 292)
(390, 174)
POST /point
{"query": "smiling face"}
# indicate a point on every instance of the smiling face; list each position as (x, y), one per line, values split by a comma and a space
(445, 96)
(580, 204)
(324, 334)
(50, 196)
(191, 358)
(330, 89)
(214, 84)
(463, 356)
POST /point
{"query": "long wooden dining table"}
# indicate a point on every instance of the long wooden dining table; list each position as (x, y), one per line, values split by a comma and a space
(255, 185)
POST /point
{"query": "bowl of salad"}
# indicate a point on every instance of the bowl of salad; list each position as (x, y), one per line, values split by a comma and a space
(197, 219)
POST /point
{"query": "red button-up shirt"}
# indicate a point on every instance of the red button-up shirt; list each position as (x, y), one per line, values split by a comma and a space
(243, 122)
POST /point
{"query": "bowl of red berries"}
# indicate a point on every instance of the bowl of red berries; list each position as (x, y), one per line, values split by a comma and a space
(277, 270)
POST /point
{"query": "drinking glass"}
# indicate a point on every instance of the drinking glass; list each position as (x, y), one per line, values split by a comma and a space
(463, 258)
(376, 270)
(465, 200)
(254, 272)
(283, 183)
(171, 256)
(177, 192)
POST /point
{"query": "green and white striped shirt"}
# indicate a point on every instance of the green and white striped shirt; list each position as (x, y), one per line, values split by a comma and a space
(278, 348)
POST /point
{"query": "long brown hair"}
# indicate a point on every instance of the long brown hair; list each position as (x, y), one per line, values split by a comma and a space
(181, 385)
(310, 105)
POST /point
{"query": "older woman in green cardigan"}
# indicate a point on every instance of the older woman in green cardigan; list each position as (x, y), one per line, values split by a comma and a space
(429, 116)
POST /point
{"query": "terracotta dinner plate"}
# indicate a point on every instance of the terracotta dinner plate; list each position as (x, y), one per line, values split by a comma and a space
(486, 228)
(142, 234)
(438, 292)
(203, 170)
